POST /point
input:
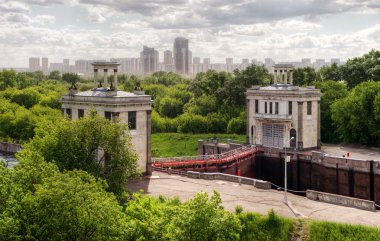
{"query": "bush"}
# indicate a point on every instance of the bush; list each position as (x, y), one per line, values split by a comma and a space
(237, 125)
(192, 124)
(170, 107)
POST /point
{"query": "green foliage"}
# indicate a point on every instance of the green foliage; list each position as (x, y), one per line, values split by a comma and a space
(200, 218)
(355, 115)
(189, 123)
(238, 125)
(270, 227)
(56, 75)
(331, 92)
(70, 78)
(93, 144)
(170, 107)
(335, 232)
(362, 69)
(332, 72)
(304, 76)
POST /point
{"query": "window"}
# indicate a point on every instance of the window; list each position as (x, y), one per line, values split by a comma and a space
(68, 113)
(309, 107)
(132, 120)
(107, 115)
(266, 108)
(290, 108)
(276, 107)
(80, 113)
(270, 107)
(256, 106)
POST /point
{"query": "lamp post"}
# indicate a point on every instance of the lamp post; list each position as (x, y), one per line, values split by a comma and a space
(286, 174)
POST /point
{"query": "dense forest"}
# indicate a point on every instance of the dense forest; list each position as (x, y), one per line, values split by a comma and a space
(211, 102)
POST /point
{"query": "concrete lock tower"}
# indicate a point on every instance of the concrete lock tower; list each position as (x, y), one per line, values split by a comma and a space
(284, 115)
(132, 108)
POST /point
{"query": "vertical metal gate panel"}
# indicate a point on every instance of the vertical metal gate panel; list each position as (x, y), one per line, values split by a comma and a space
(273, 135)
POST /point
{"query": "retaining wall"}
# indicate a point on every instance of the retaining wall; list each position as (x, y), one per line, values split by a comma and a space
(231, 178)
(341, 200)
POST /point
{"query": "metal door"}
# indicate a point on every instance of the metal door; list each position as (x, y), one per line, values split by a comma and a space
(273, 135)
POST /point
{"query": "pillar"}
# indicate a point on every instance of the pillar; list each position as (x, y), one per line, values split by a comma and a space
(319, 125)
(148, 142)
(300, 126)
(96, 84)
(291, 77)
(275, 76)
(115, 78)
(285, 76)
(105, 78)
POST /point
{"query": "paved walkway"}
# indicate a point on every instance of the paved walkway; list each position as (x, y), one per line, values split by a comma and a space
(355, 152)
(251, 199)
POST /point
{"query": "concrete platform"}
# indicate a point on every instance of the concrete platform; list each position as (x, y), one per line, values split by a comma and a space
(357, 152)
(252, 199)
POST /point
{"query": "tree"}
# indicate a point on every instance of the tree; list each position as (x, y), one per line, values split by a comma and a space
(71, 78)
(355, 116)
(304, 76)
(170, 107)
(331, 92)
(72, 206)
(362, 69)
(332, 72)
(55, 74)
(93, 144)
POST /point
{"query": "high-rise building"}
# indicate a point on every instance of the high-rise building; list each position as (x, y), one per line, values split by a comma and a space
(168, 57)
(319, 63)
(168, 61)
(181, 55)
(269, 63)
(83, 66)
(245, 61)
(149, 60)
(34, 64)
(45, 64)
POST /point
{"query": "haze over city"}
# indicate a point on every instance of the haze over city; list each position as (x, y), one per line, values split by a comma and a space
(281, 30)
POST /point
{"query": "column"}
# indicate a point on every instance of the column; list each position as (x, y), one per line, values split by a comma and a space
(285, 76)
(115, 78)
(300, 126)
(275, 76)
(105, 78)
(148, 142)
(96, 84)
(319, 125)
(291, 77)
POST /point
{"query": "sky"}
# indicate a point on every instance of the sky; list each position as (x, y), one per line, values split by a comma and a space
(284, 30)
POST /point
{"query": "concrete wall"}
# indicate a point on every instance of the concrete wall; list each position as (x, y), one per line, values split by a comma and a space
(231, 178)
(341, 200)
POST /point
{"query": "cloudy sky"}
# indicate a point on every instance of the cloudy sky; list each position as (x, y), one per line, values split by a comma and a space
(285, 30)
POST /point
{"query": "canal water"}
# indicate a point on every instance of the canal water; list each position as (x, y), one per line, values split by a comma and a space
(9, 160)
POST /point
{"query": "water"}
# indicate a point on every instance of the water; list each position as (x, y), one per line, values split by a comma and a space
(9, 160)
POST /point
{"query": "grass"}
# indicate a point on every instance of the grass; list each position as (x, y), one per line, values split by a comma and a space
(319, 230)
(269, 227)
(178, 144)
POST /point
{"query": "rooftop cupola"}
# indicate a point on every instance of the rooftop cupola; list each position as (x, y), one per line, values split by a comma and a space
(283, 74)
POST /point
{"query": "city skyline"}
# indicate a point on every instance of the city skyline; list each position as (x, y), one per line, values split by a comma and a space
(281, 30)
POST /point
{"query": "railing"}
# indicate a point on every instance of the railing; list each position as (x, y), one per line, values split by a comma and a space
(10, 148)
(224, 140)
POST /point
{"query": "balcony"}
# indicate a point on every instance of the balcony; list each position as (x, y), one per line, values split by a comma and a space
(277, 117)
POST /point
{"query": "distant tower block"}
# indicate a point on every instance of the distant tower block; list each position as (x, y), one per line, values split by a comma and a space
(283, 74)
(131, 108)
